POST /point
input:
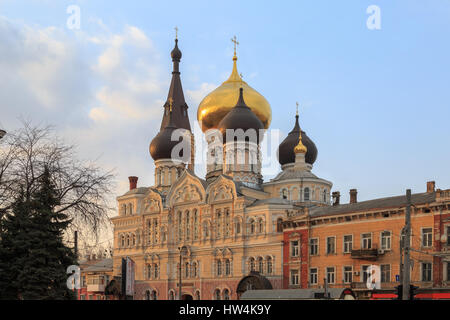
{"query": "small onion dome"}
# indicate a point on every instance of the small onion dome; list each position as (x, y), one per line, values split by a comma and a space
(176, 53)
(286, 153)
(300, 147)
(240, 117)
(162, 145)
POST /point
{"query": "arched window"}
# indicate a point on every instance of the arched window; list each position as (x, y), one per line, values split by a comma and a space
(179, 225)
(252, 226)
(149, 271)
(227, 222)
(238, 227)
(122, 240)
(147, 295)
(219, 267)
(306, 194)
(128, 240)
(217, 294)
(260, 265)
(279, 225)
(195, 224)
(154, 295)
(130, 209)
(269, 265)
(188, 224)
(205, 230)
(284, 194)
(252, 264)
(260, 226)
(171, 295)
(194, 271)
(325, 195)
(133, 242)
(156, 270)
(186, 270)
(197, 295)
(218, 223)
(226, 294)
(227, 267)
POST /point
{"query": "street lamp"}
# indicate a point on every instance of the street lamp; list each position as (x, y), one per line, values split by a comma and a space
(2, 133)
(182, 250)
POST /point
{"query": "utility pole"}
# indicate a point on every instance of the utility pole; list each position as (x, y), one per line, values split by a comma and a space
(407, 247)
(401, 255)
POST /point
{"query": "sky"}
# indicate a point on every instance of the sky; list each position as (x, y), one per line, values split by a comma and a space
(376, 102)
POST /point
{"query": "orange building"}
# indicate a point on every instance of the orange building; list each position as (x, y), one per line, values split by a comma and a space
(334, 246)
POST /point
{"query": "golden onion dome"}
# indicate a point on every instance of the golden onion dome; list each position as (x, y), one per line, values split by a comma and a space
(215, 106)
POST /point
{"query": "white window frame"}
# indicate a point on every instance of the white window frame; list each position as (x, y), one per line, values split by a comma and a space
(316, 278)
(343, 243)
(317, 246)
(431, 271)
(344, 273)
(295, 250)
(362, 240)
(291, 277)
(422, 237)
(334, 274)
(390, 240)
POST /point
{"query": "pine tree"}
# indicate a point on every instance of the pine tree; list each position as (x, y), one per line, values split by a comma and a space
(14, 228)
(38, 256)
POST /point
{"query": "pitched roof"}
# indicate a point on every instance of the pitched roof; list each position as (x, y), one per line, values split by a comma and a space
(102, 265)
(382, 203)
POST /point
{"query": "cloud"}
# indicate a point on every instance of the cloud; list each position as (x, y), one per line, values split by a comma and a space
(196, 96)
(102, 90)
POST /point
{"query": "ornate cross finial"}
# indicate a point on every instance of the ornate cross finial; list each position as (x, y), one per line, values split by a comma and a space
(170, 104)
(236, 43)
(176, 33)
(297, 108)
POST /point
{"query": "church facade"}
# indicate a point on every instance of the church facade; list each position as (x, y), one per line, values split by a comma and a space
(221, 234)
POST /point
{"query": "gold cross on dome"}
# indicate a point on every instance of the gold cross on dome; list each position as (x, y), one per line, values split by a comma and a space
(170, 104)
(234, 40)
(176, 33)
(297, 107)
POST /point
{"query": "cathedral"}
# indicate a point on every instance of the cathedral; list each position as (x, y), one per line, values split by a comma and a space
(214, 237)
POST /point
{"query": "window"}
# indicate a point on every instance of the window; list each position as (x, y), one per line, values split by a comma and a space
(279, 225)
(313, 275)
(294, 248)
(147, 295)
(386, 240)
(226, 294)
(314, 247)
(306, 194)
(325, 195)
(427, 238)
(448, 235)
(197, 295)
(260, 226)
(294, 277)
(154, 295)
(186, 270)
(227, 267)
(260, 265)
(82, 297)
(219, 268)
(238, 227)
(426, 271)
(149, 271)
(448, 271)
(217, 294)
(331, 245)
(194, 270)
(330, 275)
(156, 271)
(171, 295)
(365, 274)
(270, 267)
(252, 264)
(284, 194)
(252, 226)
(385, 270)
(366, 241)
(348, 274)
(348, 243)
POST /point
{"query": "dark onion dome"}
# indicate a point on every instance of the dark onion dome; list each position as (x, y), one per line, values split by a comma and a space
(176, 53)
(286, 152)
(162, 145)
(240, 117)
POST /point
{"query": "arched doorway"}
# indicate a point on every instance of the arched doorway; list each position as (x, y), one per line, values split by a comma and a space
(254, 281)
(186, 296)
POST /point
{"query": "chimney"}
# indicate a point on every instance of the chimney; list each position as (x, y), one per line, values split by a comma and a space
(133, 182)
(336, 197)
(353, 194)
(430, 186)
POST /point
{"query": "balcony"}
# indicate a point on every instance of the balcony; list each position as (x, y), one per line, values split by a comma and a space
(365, 254)
(95, 287)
